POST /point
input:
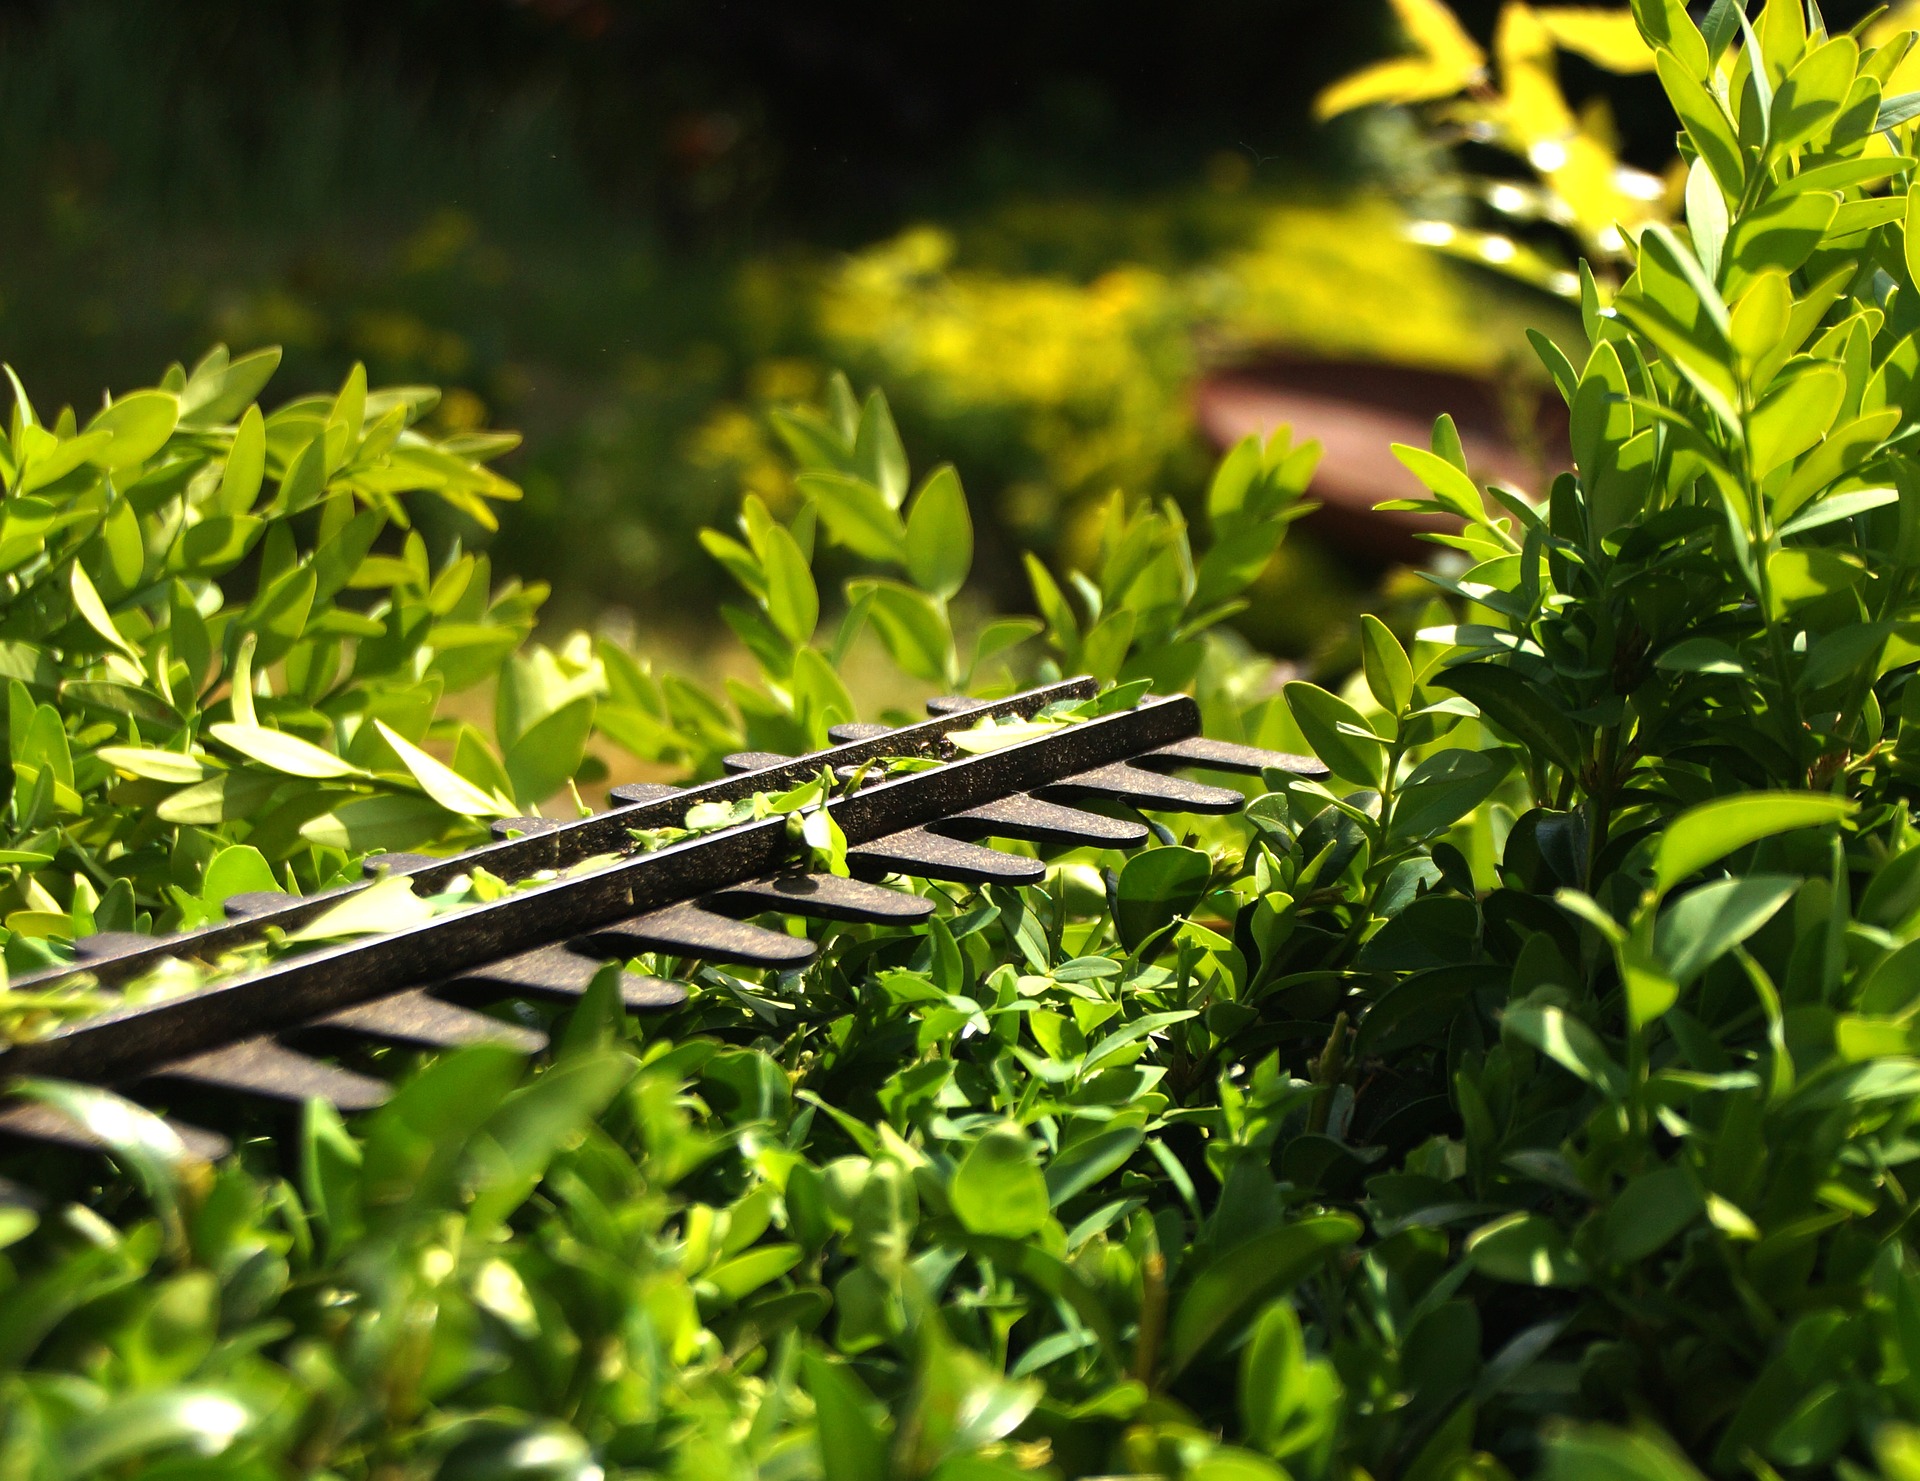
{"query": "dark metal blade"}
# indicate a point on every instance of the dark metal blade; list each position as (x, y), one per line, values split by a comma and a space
(924, 855)
(687, 930)
(382, 864)
(1044, 822)
(744, 761)
(1227, 756)
(823, 897)
(846, 735)
(632, 794)
(560, 975)
(250, 903)
(419, 1020)
(505, 828)
(104, 946)
(1150, 790)
(266, 1068)
(30, 1121)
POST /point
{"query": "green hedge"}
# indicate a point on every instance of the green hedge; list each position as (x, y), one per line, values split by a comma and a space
(1535, 1097)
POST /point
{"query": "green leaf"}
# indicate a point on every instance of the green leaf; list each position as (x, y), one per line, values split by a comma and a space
(86, 601)
(1707, 218)
(1234, 1285)
(157, 766)
(1649, 1211)
(1780, 235)
(847, 1421)
(1155, 887)
(1517, 705)
(214, 544)
(857, 515)
(1568, 1042)
(542, 759)
(139, 424)
(1389, 671)
(1524, 1249)
(793, 602)
(1667, 28)
(1445, 788)
(998, 1188)
(1799, 576)
(1705, 834)
(1700, 656)
(305, 479)
(278, 751)
(940, 535)
(1337, 733)
(1599, 1453)
(1448, 484)
(1812, 95)
(1707, 125)
(386, 905)
(1793, 416)
(46, 461)
(441, 782)
(550, 1111)
(201, 1421)
(140, 1141)
(371, 825)
(1705, 924)
(246, 465)
(878, 456)
(238, 869)
(913, 628)
(225, 798)
(1087, 1161)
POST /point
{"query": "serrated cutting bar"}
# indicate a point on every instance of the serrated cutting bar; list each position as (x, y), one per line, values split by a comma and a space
(699, 899)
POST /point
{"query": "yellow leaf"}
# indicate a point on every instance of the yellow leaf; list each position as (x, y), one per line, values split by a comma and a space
(1537, 110)
(1448, 61)
(87, 601)
(442, 783)
(1607, 38)
(1405, 81)
(1432, 27)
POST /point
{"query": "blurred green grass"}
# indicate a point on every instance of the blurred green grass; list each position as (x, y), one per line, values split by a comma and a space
(316, 193)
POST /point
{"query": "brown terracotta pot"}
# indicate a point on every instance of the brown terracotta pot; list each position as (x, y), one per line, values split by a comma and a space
(1358, 411)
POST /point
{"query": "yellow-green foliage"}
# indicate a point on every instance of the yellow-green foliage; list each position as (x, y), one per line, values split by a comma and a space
(1069, 378)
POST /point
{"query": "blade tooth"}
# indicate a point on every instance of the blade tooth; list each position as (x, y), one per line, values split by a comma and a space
(744, 761)
(1230, 757)
(249, 903)
(104, 946)
(846, 735)
(419, 1020)
(632, 794)
(266, 1068)
(397, 864)
(30, 1121)
(504, 828)
(823, 897)
(557, 974)
(687, 930)
(1044, 822)
(924, 855)
(1122, 782)
(953, 704)
(18, 1195)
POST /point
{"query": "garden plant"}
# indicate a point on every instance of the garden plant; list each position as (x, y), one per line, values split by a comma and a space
(1535, 1095)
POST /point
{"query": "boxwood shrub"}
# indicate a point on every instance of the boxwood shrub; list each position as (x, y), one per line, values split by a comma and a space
(1535, 1096)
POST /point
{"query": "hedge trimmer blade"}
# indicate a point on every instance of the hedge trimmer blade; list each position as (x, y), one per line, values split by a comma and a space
(909, 802)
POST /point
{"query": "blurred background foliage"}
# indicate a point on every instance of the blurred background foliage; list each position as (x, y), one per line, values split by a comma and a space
(630, 229)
